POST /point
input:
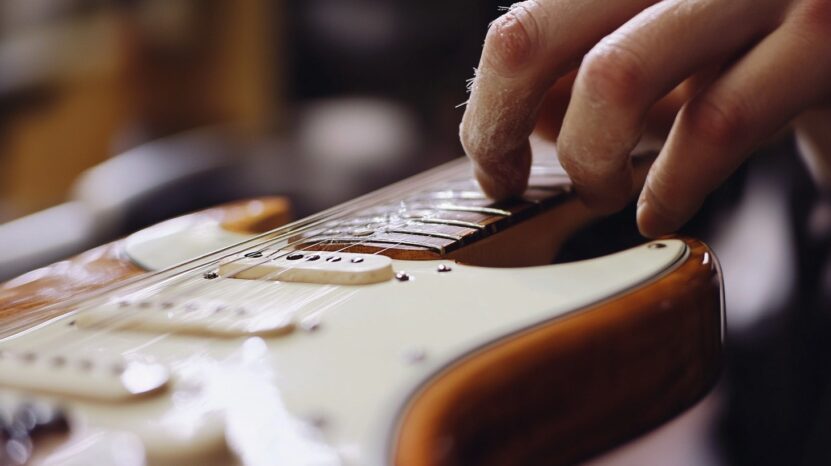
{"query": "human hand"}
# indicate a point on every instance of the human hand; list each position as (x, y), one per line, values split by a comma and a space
(747, 68)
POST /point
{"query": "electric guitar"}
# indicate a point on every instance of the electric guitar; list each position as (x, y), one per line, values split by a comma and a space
(418, 325)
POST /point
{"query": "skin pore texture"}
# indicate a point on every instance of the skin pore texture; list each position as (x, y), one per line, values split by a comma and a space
(713, 78)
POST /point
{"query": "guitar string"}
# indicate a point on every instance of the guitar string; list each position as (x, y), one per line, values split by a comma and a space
(114, 323)
(309, 242)
(371, 201)
(447, 177)
(275, 235)
(418, 196)
(311, 246)
(450, 172)
(273, 276)
(308, 245)
(298, 227)
(159, 337)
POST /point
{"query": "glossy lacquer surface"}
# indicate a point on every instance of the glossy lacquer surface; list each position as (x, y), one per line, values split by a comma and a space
(280, 349)
(331, 391)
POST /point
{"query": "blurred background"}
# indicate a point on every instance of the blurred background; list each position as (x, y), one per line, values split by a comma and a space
(117, 114)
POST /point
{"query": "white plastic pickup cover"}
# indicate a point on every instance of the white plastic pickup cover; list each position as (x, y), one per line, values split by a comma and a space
(192, 316)
(321, 267)
(89, 377)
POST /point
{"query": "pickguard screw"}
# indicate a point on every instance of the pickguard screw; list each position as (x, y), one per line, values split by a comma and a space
(414, 355)
(402, 277)
(444, 268)
(657, 246)
(118, 369)
(319, 421)
(211, 275)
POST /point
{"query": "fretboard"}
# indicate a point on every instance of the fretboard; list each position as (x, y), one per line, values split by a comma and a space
(431, 218)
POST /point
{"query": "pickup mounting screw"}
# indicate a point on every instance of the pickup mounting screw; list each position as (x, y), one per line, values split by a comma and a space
(443, 268)
(310, 324)
(657, 246)
(254, 254)
(210, 275)
(58, 361)
(402, 277)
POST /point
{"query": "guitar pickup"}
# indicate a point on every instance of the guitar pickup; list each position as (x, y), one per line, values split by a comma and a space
(109, 379)
(196, 317)
(319, 267)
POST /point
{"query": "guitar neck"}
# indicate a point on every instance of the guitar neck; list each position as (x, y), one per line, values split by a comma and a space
(436, 215)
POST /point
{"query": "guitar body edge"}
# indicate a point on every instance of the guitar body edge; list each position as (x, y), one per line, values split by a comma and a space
(581, 384)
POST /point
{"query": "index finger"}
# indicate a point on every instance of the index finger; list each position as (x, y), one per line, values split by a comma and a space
(525, 51)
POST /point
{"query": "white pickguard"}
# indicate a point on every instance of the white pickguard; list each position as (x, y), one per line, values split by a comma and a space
(328, 394)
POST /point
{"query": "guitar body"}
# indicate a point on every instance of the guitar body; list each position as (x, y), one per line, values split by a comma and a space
(285, 348)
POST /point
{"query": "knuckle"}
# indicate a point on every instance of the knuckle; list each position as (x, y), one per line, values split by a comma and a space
(815, 15)
(513, 38)
(612, 74)
(718, 123)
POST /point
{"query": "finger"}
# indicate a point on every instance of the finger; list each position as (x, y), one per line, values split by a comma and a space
(525, 51)
(658, 120)
(630, 70)
(715, 132)
(553, 108)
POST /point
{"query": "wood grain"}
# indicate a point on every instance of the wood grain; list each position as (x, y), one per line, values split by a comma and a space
(577, 386)
(108, 264)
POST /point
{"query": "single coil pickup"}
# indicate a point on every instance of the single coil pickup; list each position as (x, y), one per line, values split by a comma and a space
(109, 379)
